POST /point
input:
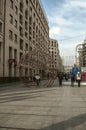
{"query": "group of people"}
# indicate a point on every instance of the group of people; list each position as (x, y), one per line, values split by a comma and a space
(75, 75)
(76, 78)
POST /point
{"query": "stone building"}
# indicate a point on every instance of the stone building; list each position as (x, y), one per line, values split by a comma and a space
(81, 58)
(56, 63)
(26, 34)
(1, 35)
(84, 53)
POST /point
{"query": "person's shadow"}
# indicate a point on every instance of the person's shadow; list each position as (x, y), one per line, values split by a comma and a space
(70, 123)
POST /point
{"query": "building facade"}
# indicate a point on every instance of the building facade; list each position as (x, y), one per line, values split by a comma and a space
(26, 38)
(81, 59)
(56, 63)
(1, 35)
(84, 54)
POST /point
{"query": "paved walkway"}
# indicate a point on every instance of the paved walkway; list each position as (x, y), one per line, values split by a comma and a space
(83, 83)
(54, 108)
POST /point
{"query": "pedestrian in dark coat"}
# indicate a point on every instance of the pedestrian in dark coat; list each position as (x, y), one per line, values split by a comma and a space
(60, 78)
(72, 79)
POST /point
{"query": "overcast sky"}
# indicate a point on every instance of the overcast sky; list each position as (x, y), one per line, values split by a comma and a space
(67, 23)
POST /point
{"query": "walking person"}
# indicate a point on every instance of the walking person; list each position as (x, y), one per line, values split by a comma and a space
(37, 79)
(78, 77)
(60, 77)
(72, 80)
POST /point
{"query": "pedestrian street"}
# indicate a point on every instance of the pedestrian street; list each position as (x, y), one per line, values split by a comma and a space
(49, 108)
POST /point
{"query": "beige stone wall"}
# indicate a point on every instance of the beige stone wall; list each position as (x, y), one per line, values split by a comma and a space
(1, 36)
(1, 55)
(54, 51)
(39, 29)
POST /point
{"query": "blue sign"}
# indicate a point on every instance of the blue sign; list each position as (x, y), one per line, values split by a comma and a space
(74, 70)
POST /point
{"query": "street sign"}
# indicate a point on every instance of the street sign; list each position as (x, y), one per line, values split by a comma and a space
(74, 70)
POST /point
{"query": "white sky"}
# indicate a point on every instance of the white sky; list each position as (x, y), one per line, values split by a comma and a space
(67, 23)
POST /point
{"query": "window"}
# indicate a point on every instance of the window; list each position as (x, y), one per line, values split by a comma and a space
(21, 31)
(15, 62)
(30, 20)
(26, 14)
(10, 34)
(31, 9)
(11, 19)
(30, 30)
(10, 52)
(0, 27)
(30, 38)
(15, 23)
(15, 53)
(21, 19)
(26, 34)
(21, 44)
(21, 6)
(33, 25)
(16, 38)
(34, 15)
(27, 2)
(11, 4)
(33, 34)
(26, 72)
(16, 9)
(26, 25)
(26, 47)
(21, 56)
(36, 5)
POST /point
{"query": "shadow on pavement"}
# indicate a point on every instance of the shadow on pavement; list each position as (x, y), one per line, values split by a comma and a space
(70, 123)
(17, 98)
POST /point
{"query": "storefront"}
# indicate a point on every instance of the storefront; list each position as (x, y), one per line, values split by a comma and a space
(83, 70)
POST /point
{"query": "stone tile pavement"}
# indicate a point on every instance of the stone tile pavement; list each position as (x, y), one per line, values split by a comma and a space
(53, 108)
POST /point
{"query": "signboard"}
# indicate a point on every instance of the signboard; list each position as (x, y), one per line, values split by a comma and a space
(74, 70)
